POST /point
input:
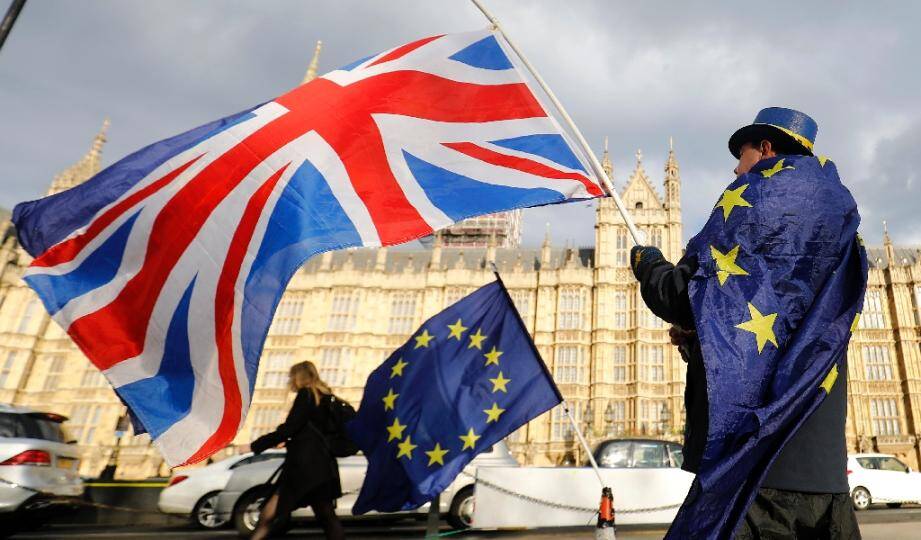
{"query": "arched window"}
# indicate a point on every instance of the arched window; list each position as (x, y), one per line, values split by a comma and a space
(639, 205)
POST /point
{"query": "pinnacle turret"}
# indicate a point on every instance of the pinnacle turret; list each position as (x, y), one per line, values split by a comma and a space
(606, 161)
(314, 64)
(672, 179)
(85, 168)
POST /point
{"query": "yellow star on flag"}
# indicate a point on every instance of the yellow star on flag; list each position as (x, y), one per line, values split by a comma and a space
(856, 321)
(422, 340)
(476, 340)
(726, 264)
(395, 430)
(499, 383)
(406, 448)
(492, 357)
(760, 325)
(822, 160)
(469, 439)
(830, 379)
(767, 173)
(493, 413)
(397, 368)
(456, 330)
(389, 400)
(732, 198)
(436, 455)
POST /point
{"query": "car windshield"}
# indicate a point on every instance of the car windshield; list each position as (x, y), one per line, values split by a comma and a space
(615, 455)
(676, 454)
(649, 454)
(29, 427)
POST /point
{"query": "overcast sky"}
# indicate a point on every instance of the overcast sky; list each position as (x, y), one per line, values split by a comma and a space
(635, 71)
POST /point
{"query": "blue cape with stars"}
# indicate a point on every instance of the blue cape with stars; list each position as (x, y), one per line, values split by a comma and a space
(781, 280)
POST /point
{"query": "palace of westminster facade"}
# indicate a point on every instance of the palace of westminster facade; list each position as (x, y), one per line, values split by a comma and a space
(347, 310)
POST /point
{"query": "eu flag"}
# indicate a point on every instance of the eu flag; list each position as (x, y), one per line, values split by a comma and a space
(781, 279)
(465, 380)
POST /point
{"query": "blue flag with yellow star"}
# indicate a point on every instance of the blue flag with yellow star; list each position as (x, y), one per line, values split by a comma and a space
(781, 279)
(466, 379)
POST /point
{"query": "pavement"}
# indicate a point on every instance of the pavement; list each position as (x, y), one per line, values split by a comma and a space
(875, 524)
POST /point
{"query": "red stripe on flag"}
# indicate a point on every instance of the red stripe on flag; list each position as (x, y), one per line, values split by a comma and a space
(68, 249)
(224, 298)
(423, 95)
(522, 164)
(125, 320)
(403, 50)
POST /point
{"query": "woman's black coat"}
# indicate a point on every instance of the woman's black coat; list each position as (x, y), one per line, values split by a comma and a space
(310, 473)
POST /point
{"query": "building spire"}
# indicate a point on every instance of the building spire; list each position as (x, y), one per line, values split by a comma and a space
(606, 161)
(99, 141)
(314, 64)
(638, 170)
(672, 180)
(86, 167)
(887, 244)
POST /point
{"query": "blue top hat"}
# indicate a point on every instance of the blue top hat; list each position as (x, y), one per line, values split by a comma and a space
(791, 126)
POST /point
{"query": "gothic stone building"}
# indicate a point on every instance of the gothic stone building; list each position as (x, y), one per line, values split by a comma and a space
(348, 310)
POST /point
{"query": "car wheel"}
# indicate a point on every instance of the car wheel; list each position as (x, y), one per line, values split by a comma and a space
(246, 513)
(205, 512)
(861, 499)
(894, 505)
(460, 516)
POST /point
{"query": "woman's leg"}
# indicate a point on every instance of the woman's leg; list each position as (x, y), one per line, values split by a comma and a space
(266, 517)
(325, 513)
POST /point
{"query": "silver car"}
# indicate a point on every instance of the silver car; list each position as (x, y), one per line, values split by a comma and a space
(38, 470)
(246, 490)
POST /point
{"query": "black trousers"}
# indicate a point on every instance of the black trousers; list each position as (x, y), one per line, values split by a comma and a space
(779, 514)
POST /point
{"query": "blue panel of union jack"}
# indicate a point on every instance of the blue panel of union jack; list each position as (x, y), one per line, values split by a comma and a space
(776, 297)
(166, 267)
(467, 378)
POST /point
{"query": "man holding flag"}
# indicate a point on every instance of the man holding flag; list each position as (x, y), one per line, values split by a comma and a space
(764, 303)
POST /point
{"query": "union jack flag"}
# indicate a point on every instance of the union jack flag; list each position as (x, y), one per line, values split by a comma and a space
(166, 267)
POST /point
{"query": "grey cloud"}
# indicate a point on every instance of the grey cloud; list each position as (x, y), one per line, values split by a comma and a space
(635, 71)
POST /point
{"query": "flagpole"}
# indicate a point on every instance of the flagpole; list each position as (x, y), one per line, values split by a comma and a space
(596, 165)
(575, 426)
(588, 451)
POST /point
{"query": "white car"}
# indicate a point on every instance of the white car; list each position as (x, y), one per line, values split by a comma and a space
(244, 494)
(194, 492)
(38, 469)
(881, 478)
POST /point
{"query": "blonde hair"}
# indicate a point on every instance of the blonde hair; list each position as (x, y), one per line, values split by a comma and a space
(305, 375)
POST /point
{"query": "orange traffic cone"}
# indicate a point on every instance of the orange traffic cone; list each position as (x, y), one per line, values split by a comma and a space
(605, 528)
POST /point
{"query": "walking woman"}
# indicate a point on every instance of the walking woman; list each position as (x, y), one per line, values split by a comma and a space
(310, 474)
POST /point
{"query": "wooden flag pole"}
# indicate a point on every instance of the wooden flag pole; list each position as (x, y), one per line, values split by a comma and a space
(596, 165)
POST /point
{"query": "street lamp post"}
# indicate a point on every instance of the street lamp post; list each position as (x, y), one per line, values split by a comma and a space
(121, 427)
(609, 420)
(586, 425)
(665, 416)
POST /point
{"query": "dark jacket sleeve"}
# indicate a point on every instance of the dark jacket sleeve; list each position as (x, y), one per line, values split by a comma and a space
(297, 418)
(664, 287)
